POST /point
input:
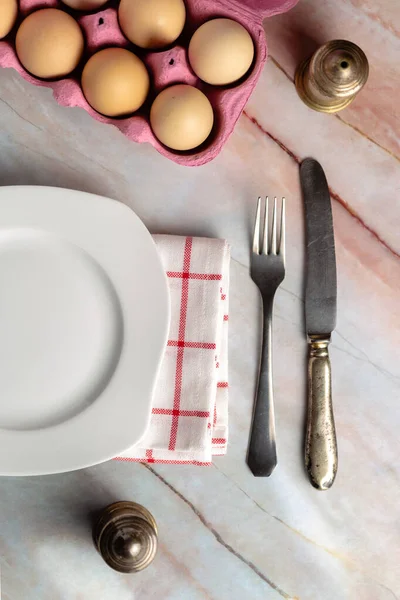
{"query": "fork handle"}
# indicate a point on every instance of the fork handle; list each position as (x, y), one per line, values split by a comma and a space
(321, 448)
(261, 456)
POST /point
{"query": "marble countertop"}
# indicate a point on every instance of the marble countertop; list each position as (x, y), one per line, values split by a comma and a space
(225, 535)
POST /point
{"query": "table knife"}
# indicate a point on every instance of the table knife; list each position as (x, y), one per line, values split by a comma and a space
(320, 315)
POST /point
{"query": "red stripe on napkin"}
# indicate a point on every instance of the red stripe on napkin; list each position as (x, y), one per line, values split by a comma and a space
(181, 339)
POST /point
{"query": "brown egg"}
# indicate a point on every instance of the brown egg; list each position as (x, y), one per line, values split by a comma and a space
(181, 117)
(152, 23)
(8, 15)
(49, 43)
(115, 82)
(221, 51)
(85, 4)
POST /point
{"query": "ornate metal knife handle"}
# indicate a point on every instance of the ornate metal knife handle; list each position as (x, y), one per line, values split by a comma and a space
(321, 449)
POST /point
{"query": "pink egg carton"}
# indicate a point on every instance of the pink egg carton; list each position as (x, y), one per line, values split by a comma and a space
(166, 67)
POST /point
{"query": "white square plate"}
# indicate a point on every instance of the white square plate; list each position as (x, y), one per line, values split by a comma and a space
(84, 316)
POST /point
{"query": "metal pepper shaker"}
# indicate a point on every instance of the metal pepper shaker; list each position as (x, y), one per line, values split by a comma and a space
(126, 536)
(332, 77)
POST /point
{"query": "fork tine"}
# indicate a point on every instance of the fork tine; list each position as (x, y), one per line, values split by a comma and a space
(265, 233)
(256, 237)
(273, 235)
(282, 238)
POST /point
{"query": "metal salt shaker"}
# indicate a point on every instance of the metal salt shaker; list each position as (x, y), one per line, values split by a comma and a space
(332, 77)
(126, 536)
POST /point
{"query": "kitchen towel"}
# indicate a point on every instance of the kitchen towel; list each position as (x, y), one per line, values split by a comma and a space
(189, 421)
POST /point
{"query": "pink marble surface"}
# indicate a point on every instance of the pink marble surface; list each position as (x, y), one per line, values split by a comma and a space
(224, 534)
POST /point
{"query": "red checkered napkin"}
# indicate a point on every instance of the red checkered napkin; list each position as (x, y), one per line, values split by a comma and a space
(189, 422)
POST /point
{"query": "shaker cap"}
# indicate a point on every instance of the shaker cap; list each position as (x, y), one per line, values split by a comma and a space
(125, 534)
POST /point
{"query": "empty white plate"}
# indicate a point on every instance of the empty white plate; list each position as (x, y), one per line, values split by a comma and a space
(84, 316)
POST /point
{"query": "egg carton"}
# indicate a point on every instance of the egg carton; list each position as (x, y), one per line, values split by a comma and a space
(166, 67)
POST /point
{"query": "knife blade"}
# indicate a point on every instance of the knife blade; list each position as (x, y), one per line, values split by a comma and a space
(320, 300)
(320, 314)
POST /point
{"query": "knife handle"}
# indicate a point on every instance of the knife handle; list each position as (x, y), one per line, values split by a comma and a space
(321, 449)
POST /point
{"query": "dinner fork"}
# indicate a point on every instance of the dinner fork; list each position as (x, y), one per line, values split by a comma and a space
(268, 272)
